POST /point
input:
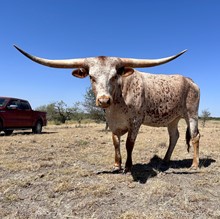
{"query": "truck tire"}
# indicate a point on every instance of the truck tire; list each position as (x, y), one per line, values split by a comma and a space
(1, 126)
(8, 132)
(38, 127)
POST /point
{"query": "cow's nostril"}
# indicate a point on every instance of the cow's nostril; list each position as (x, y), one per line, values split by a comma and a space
(104, 101)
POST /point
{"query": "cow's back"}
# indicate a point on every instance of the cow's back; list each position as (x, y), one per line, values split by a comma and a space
(163, 98)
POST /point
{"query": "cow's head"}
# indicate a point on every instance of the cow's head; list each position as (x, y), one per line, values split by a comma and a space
(104, 72)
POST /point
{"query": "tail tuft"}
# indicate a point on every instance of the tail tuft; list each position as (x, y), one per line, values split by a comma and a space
(188, 137)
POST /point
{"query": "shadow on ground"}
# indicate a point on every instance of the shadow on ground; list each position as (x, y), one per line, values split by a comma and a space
(31, 133)
(27, 133)
(142, 172)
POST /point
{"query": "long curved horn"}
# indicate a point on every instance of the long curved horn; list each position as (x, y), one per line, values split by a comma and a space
(66, 63)
(141, 63)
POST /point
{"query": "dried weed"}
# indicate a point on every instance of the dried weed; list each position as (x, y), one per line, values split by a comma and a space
(66, 173)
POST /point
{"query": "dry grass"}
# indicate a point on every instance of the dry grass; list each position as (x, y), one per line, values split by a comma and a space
(66, 173)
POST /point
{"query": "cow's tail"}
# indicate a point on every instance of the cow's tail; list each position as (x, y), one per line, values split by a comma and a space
(188, 138)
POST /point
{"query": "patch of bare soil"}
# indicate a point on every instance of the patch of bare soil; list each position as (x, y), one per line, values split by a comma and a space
(66, 173)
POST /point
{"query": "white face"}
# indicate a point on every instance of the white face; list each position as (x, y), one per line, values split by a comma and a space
(105, 76)
(104, 80)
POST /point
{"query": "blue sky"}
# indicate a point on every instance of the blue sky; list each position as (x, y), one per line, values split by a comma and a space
(58, 29)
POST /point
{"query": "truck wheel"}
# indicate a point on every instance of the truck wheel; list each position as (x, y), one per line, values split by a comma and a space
(1, 126)
(8, 132)
(37, 128)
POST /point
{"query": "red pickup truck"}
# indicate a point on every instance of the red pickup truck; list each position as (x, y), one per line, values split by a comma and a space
(18, 114)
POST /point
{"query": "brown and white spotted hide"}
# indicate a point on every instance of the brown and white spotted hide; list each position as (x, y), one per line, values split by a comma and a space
(132, 98)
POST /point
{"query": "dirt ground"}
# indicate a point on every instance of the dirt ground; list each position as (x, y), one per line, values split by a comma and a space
(66, 173)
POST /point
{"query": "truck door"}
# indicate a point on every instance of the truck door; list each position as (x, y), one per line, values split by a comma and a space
(25, 114)
(11, 114)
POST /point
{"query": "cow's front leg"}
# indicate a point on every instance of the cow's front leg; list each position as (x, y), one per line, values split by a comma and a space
(129, 147)
(116, 143)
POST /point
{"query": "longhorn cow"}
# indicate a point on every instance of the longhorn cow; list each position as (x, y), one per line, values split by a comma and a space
(132, 98)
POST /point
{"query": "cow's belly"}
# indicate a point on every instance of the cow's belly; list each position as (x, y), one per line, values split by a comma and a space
(161, 121)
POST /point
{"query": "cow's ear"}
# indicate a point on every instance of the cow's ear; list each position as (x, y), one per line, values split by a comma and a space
(127, 72)
(80, 73)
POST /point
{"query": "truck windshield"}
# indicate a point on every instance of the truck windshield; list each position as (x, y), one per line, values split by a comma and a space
(2, 101)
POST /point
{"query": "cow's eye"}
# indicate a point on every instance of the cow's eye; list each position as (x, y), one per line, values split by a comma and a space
(92, 79)
(114, 78)
(120, 71)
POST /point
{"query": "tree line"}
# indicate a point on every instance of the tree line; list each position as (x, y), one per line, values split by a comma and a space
(59, 112)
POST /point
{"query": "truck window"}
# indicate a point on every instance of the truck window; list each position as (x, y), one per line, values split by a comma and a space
(24, 105)
(2, 101)
(13, 102)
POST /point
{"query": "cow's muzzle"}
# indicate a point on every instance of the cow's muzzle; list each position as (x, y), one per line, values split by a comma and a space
(103, 101)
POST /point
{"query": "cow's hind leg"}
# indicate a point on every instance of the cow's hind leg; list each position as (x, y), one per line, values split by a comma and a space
(173, 135)
(195, 136)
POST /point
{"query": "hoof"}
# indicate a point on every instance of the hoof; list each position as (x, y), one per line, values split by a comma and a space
(117, 169)
(194, 167)
(127, 170)
(166, 160)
